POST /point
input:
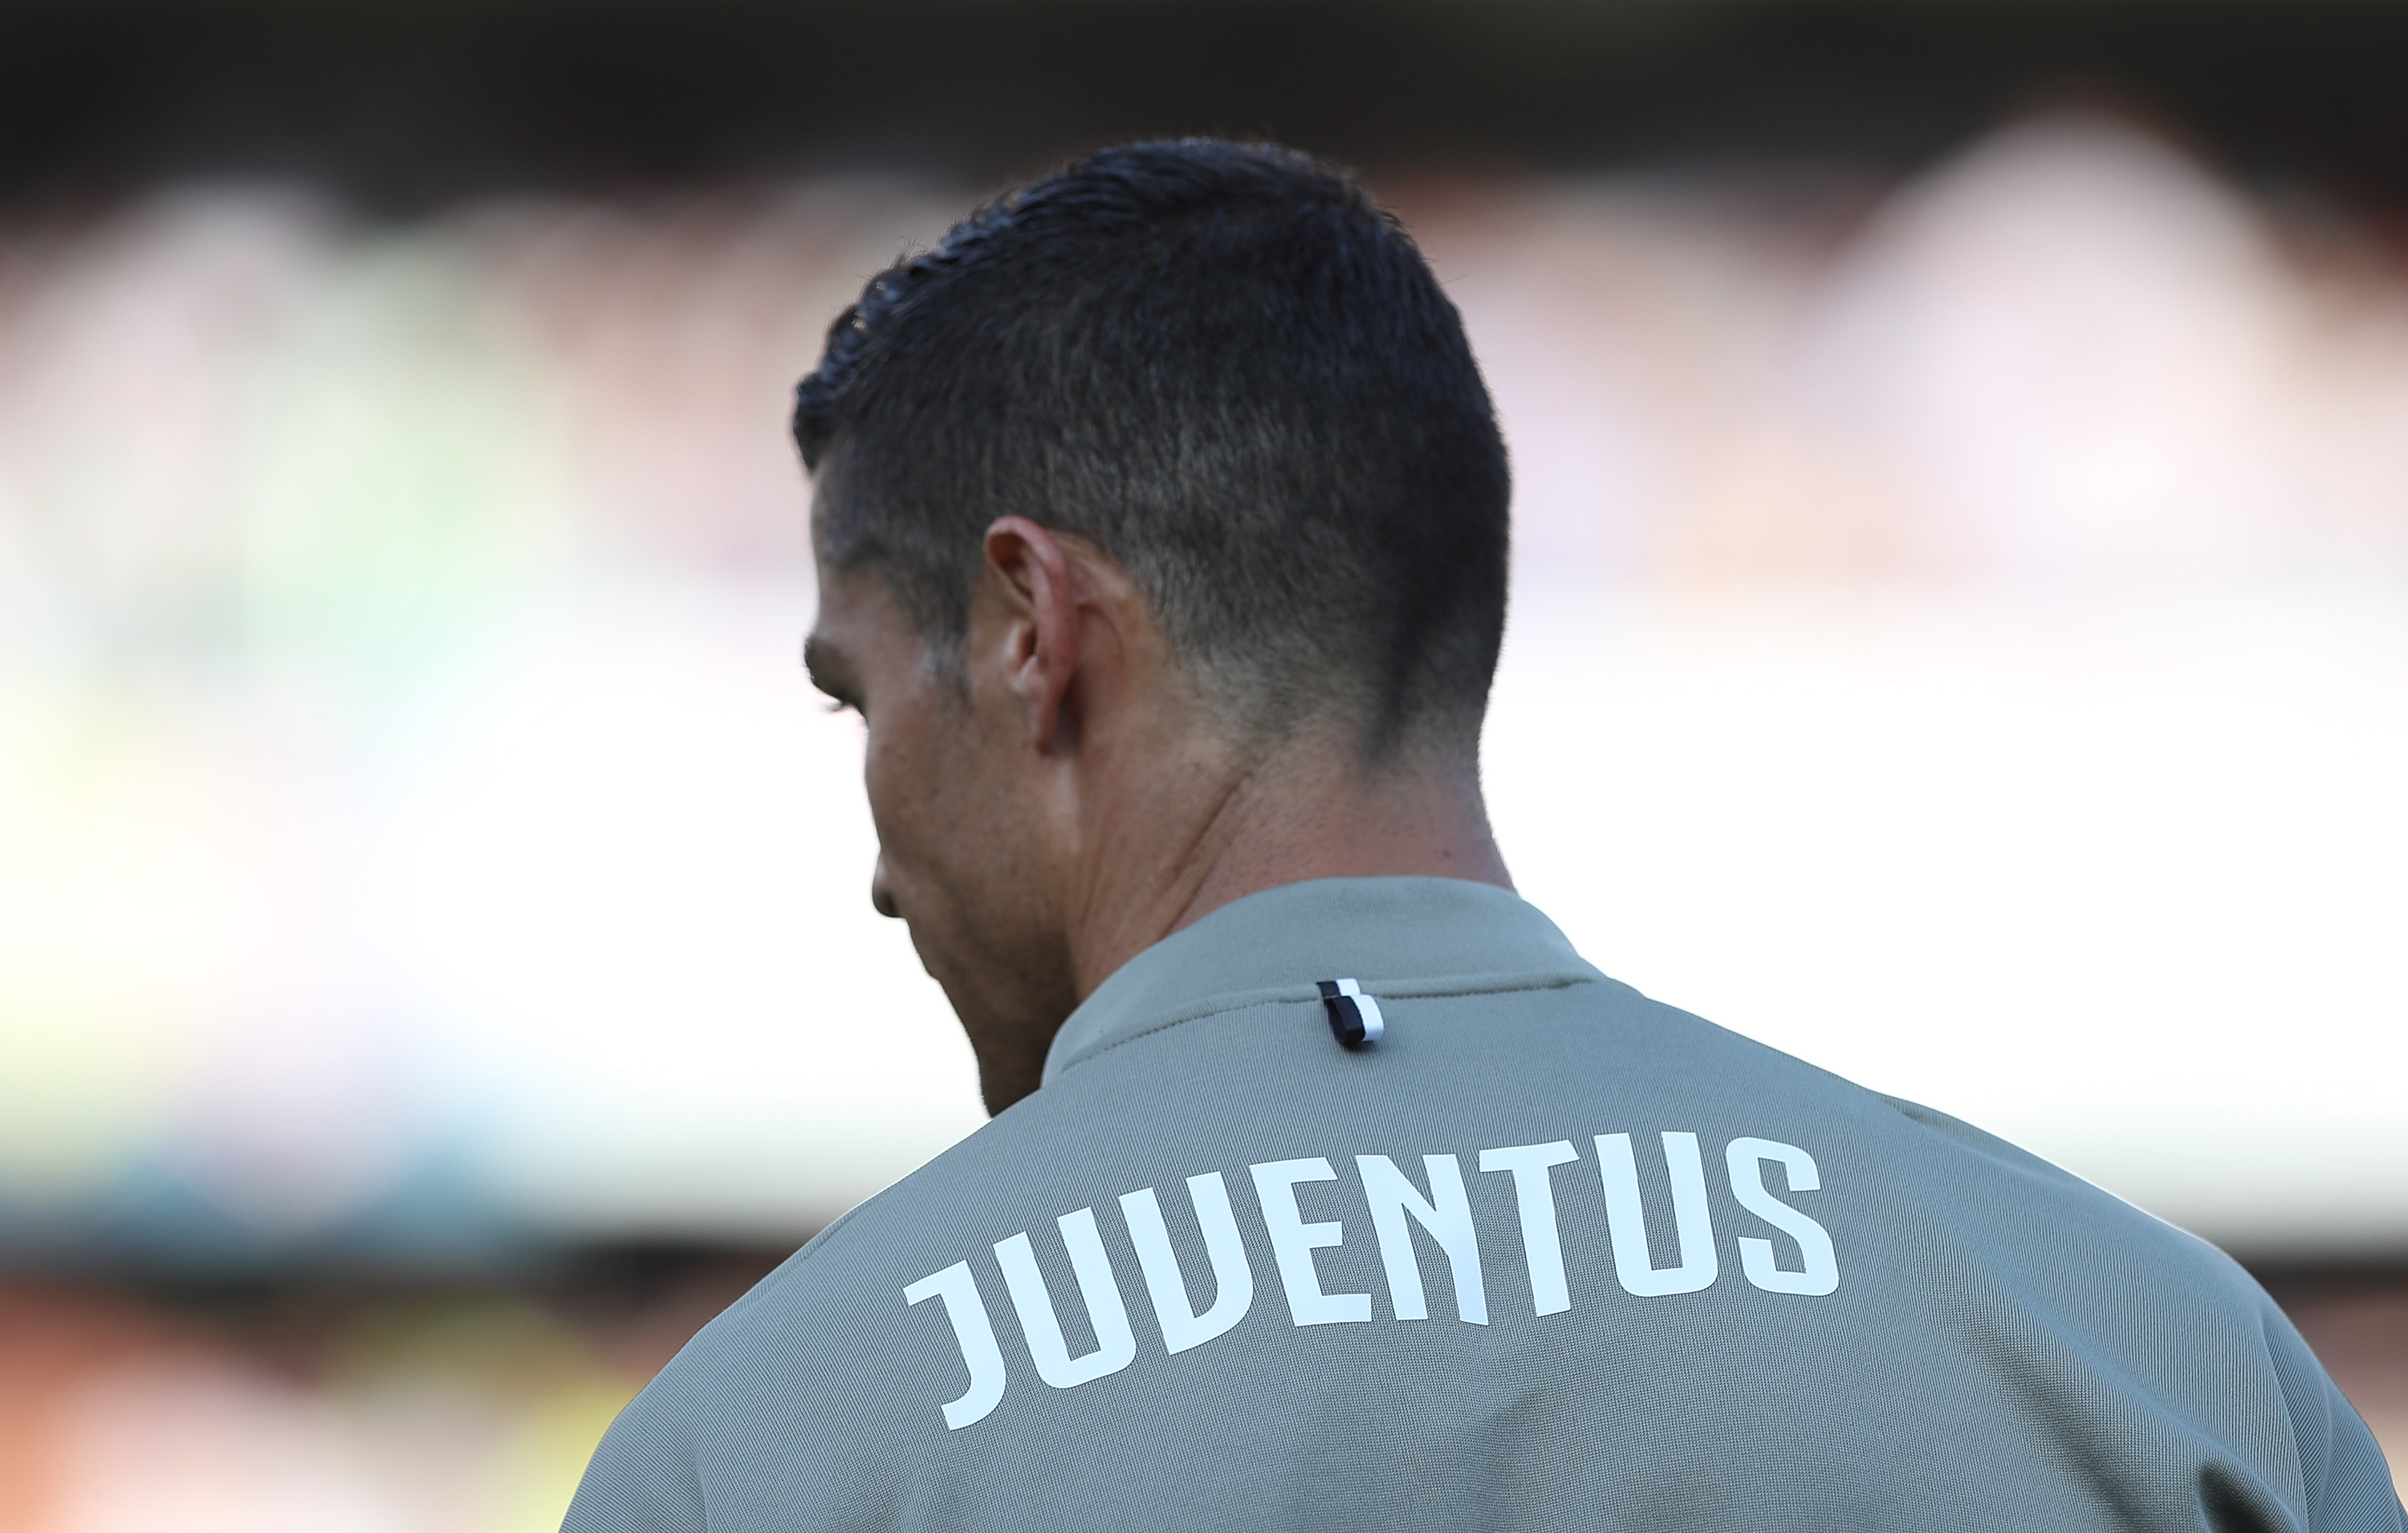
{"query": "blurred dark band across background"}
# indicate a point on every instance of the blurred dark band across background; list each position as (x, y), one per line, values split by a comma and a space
(406, 104)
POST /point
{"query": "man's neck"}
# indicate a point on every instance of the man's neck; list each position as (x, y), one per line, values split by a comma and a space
(1305, 814)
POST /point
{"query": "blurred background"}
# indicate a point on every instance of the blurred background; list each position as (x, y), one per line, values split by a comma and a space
(1960, 637)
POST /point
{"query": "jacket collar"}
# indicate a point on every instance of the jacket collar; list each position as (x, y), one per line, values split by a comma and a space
(1429, 936)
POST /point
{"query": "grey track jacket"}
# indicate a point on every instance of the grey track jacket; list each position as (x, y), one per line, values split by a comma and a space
(1545, 1254)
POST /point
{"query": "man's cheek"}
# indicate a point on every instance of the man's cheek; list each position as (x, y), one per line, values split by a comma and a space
(891, 816)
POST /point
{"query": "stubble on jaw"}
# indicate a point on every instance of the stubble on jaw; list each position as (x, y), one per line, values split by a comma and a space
(971, 874)
(1006, 972)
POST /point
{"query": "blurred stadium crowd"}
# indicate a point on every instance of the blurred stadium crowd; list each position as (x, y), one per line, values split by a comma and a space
(421, 856)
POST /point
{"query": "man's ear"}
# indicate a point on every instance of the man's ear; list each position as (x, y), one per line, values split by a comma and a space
(1037, 582)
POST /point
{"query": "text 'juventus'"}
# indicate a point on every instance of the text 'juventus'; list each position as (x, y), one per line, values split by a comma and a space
(1444, 1214)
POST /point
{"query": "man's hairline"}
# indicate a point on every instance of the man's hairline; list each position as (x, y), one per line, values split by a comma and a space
(1435, 734)
(1440, 742)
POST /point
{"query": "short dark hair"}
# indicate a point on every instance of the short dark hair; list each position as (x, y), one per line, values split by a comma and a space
(1232, 371)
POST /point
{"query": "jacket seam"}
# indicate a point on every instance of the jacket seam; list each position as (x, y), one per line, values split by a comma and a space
(1422, 990)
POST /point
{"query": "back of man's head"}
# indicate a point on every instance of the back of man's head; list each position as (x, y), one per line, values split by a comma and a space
(1225, 367)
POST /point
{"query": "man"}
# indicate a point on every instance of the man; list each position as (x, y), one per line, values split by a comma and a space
(1161, 521)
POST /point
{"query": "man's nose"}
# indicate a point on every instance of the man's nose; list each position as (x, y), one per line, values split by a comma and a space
(881, 897)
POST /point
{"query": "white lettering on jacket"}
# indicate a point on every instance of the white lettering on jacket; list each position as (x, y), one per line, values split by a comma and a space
(1619, 1171)
(1294, 1241)
(959, 1290)
(1446, 1213)
(1115, 1344)
(1534, 1196)
(1396, 1205)
(1233, 1280)
(1821, 1275)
